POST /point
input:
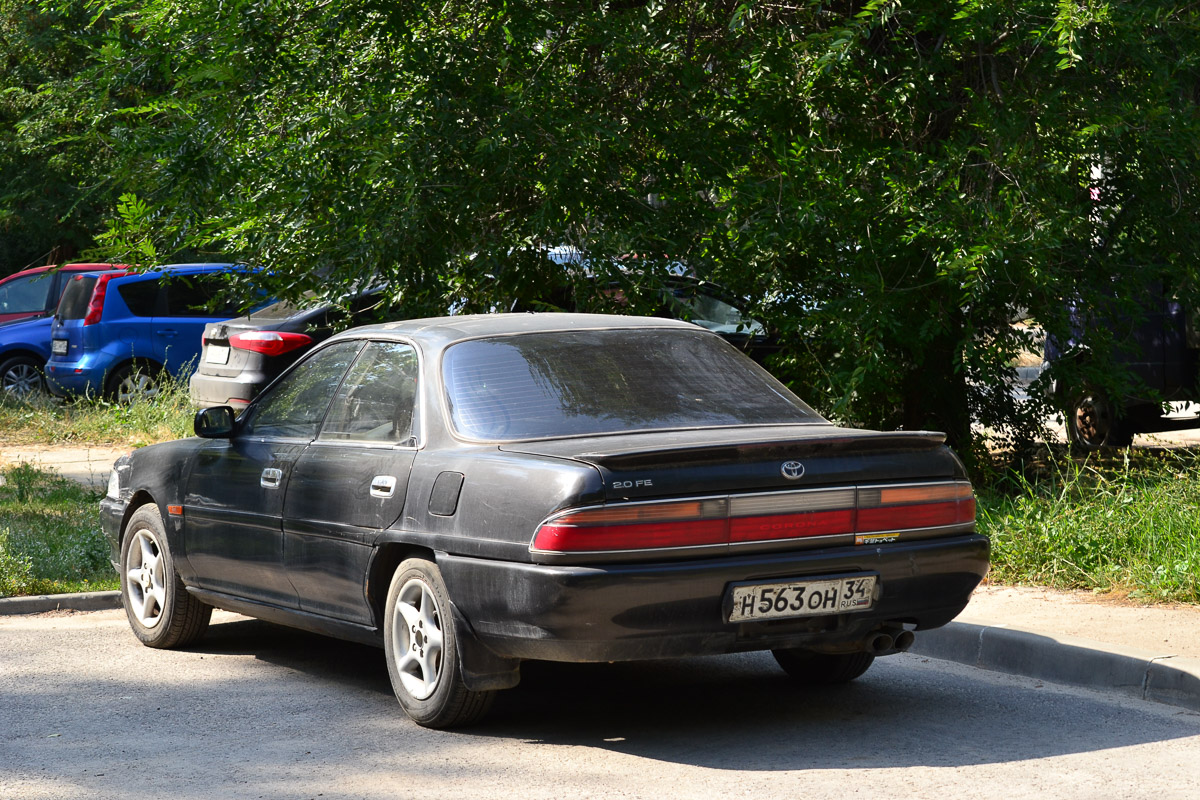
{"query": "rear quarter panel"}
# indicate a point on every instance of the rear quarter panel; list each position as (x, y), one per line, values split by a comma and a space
(504, 497)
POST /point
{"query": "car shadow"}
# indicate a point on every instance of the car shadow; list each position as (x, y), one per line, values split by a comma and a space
(742, 712)
(348, 663)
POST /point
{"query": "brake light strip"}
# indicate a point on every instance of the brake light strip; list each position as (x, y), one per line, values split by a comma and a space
(754, 518)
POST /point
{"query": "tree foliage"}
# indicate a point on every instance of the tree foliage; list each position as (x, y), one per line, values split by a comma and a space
(891, 186)
(52, 191)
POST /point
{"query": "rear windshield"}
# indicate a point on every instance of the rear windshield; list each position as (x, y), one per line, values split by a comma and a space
(280, 309)
(547, 385)
(74, 302)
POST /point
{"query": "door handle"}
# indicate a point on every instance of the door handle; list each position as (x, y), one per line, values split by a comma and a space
(383, 486)
(167, 332)
(270, 478)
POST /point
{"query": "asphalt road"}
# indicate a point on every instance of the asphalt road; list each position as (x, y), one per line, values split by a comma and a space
(259, 711)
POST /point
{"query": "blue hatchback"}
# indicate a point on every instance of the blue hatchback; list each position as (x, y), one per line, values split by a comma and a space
(117, 334)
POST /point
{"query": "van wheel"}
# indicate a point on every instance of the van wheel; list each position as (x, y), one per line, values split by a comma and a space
(1093, 422)
(134, 382)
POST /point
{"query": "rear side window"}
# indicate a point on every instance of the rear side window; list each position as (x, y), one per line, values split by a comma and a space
(26, 295)
(578, 383)
(74, 302)
(377, 399)
(141, 296)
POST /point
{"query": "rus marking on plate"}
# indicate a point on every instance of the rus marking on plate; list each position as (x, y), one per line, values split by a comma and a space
(792, 470)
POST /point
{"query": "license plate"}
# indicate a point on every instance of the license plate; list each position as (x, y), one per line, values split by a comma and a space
(215, 354)
(58, 347)
(810, 598)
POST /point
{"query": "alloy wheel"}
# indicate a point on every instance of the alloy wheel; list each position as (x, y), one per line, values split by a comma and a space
(145, 587)
(22, 381)
(417, 639)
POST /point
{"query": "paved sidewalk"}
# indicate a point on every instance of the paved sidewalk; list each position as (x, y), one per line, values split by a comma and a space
(88, 465)
(1077, 638)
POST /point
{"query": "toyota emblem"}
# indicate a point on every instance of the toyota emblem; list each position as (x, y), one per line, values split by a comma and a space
(792, 470)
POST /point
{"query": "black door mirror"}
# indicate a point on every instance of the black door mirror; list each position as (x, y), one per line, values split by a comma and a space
(214, 423)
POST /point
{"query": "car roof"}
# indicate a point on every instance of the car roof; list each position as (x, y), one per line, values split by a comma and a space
(445, 331)
(64, 268)
(169, 269)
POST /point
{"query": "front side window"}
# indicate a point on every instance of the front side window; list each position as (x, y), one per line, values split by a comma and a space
(201, 295)
(377, 400)
(26, 295)
(711, 312)
(295, 406)
(579, 383)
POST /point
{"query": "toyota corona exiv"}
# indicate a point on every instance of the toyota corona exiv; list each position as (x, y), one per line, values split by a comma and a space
(472, 492)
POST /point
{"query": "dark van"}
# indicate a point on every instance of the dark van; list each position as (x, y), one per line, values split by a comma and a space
(1161, 351)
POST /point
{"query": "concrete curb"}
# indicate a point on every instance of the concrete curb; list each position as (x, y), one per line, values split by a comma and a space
(83, 601)
(1168, 679)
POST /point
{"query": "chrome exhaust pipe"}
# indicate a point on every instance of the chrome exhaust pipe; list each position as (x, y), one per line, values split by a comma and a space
(879, 644)
(904, 640)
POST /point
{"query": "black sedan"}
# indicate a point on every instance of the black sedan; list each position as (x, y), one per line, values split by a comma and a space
(471, 492)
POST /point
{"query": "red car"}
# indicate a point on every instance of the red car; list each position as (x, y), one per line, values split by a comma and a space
(35, 292)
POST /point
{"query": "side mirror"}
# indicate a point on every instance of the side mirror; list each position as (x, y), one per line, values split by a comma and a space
(214, 423)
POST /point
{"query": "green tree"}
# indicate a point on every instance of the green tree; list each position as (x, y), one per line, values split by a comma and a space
(53, 192)
(892, 186)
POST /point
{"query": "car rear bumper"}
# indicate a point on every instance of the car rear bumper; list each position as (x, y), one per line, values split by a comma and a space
(66, 378)
(214, 390)
(666, 610)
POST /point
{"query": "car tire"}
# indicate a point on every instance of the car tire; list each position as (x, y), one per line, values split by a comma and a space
(1093, 421)
(422, 650)
(130, 383)
(22, 378)
(823, 669)
(160, 610)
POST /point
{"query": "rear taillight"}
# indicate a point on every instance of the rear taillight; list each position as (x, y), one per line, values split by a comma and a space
(96, 304)
(269, 343)
(870, 514)
(650, 525)
(903, 507)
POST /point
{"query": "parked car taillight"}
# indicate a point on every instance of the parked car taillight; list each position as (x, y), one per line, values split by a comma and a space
(96, 303)
(867, 512)
(269, 343)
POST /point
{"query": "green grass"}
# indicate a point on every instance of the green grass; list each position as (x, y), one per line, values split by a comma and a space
(95, 421)
(1123, 523)
(50, 540)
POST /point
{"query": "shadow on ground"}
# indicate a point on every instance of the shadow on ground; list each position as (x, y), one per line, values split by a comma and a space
(741, 712)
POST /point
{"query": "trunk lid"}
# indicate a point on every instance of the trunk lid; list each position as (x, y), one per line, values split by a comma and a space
(778, 457)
